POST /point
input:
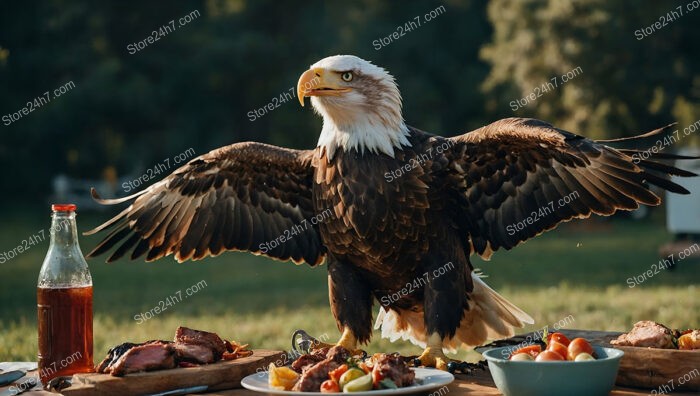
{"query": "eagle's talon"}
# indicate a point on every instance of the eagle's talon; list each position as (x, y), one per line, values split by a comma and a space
(432, 358)
(349, 341)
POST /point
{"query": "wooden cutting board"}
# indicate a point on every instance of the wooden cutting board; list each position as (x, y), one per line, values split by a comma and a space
(217, 376)
(663, 370)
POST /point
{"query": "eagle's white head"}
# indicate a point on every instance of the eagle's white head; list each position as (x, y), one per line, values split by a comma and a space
(360, 104)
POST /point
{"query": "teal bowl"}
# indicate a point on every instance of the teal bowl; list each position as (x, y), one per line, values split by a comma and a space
(530, 378)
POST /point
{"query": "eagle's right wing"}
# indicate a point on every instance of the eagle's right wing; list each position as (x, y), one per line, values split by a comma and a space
(247, 196)
(517, 178)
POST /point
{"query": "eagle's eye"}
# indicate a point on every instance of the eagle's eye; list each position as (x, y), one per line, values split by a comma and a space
(347, 76)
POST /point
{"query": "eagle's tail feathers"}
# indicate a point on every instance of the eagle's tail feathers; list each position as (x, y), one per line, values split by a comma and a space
(517, 316)
(489, 317)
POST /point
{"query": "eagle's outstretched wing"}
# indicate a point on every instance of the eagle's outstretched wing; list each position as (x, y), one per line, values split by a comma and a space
(517, 178)
(246, 196)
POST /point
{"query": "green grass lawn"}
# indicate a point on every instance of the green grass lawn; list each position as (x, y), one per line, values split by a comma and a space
(580, 270)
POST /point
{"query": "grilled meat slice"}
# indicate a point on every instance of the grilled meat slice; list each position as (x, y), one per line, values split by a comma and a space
(147, 357)
(212, 341)
(194, 353)
(313, 376)
(118, 351)
(113, 355)
(393, 367)
(338, 354)
(309, 359)
(647, 334)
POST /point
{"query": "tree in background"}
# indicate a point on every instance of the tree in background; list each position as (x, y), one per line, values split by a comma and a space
(194, 87)
(626, 85)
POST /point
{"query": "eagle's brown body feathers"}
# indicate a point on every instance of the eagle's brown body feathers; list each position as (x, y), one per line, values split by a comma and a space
(391, 224)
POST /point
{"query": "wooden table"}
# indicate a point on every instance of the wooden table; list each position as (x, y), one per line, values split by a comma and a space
(478, 383)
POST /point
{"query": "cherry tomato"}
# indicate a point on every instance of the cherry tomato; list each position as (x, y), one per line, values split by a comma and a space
(532, 350)
(330, 386)
(377, 377)
(559, 348)
(548, 356)
(337, 373)
(578, 345)
(558, 337)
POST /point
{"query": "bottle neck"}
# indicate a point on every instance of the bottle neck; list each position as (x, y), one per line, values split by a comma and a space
(63, 231)
(64, 265)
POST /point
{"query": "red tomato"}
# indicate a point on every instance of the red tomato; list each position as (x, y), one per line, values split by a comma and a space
(558, 337)
(532, 350)
(577, 346)
(377, 377)
(559, 348)
(548, 356)
(335, 374)
(330, 386)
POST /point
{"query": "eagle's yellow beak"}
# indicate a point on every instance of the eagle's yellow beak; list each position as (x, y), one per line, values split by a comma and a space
(319, 82)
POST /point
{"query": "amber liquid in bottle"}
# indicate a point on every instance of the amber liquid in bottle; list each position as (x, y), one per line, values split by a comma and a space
(64, 302)
(65, 331)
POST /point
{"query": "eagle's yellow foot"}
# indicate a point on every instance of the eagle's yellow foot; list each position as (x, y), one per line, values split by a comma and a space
(349, 342)
(433, 356)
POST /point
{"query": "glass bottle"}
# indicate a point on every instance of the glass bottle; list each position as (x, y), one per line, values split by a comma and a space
(64, 301)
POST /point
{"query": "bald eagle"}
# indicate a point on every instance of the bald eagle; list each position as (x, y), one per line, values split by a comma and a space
(403, 210)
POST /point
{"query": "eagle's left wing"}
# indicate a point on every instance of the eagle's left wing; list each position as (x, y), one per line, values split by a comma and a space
(517, 178)
(247, 196)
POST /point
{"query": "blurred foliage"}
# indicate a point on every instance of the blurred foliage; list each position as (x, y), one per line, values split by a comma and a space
(195, 86)
(626, 84)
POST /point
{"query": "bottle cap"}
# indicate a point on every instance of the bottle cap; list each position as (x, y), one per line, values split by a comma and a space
(63, 207)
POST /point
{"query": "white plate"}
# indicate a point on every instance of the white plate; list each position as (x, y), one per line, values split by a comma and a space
(426, 380)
